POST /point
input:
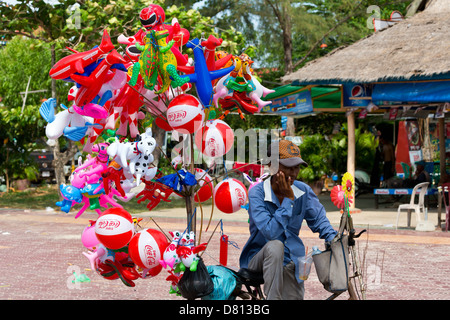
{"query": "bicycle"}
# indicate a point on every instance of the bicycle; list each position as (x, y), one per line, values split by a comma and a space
(346, 226)
(253, 281)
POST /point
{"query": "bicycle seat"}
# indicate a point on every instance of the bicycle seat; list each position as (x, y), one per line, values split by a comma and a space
(251, 278)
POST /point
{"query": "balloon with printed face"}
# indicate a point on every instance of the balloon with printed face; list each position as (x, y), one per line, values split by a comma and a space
(147, 248)
(229, 195)
(215, 138)
(185, 113)
(114, 228)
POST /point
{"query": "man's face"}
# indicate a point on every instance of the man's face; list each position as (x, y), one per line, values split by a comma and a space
(291, 172)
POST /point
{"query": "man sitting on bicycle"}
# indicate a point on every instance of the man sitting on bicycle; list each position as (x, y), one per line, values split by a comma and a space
(277, 208)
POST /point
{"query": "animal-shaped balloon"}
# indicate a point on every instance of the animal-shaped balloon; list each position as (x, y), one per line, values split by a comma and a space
(187, 251)
(258, 90)
(254, 183)
(122, 152)
(67, 122)
(71, 195)
(97, 164)
(154, 192)
(170, 257)
(221, 89)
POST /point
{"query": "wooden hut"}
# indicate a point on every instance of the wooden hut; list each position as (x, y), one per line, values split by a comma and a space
(413, 52)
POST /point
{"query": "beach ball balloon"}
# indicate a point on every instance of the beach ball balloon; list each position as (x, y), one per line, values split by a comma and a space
(229, 195)
(206, 185)
(114, 228)
(185, 113)
(147, 247)
(215, 138)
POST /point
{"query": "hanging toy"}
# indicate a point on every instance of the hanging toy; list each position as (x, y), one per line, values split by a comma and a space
(188, 252)
(146, 249)
(170, 256)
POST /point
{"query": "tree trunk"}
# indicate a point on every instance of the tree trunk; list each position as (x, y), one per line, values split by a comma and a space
(290, 127)
(284, 18)
(159, 135)
(287, 41)
(61, 158)
(53, 52)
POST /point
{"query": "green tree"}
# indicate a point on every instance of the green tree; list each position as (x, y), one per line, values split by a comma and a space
(18, 130)
(326, 154)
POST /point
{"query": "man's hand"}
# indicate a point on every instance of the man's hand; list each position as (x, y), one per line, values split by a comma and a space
(281, 187)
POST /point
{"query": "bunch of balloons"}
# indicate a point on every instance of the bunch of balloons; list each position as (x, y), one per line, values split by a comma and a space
(117, 251)
(111, 92)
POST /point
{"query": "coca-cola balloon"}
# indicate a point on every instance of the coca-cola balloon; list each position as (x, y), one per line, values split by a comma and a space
(185, 114)
(206, 185)
(215, 138)
(114, 228)
(147, 248)
(229, 195)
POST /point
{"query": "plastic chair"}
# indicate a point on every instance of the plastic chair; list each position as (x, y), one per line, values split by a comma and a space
(406, 170)
(446, 190)
(412, 205)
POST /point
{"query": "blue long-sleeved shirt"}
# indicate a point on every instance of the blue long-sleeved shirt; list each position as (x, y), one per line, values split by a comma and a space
(270, 220)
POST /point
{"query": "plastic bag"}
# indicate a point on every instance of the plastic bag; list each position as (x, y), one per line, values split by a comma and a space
(332, 266)
(196, 284)
(225, 282)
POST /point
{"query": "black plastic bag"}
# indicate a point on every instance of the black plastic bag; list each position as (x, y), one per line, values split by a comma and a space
(196, 284)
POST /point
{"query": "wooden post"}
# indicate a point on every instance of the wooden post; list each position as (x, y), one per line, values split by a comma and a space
(351, 150)
(442, 160)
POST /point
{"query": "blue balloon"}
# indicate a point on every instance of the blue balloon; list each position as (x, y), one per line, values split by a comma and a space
(202, 77)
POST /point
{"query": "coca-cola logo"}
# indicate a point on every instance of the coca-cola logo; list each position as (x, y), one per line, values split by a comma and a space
(176, 115)
(240, 196)
(212, 147)
(109, 224)
(150, 255)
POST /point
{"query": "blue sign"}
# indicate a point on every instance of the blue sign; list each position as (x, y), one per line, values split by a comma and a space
(418, 92)
(284, 122)
(293, 104)
(356, 95)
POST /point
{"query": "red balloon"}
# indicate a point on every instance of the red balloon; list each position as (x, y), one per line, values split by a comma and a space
(185, 113)
(215, 138)
(206, 185)
(147, 247)
(163, 124)
(229, 195)
(114, 228)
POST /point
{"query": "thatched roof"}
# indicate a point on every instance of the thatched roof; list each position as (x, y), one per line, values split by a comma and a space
(416, 48)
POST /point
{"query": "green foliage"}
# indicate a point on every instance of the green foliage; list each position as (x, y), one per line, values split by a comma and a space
(315, 150)
(326, 154)
(17, 130)
(23, 58)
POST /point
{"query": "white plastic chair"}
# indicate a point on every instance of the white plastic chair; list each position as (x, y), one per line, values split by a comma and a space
(411, 205)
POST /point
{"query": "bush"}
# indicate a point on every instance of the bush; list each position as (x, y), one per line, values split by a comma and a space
(327, 155)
